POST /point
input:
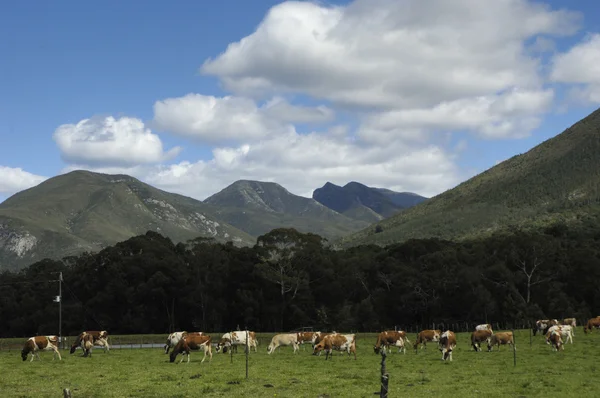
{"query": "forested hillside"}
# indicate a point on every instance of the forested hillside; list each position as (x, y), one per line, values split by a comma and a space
(147, 284)
(557, 181)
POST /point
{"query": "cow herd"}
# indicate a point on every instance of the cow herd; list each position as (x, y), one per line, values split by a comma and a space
(556, 333)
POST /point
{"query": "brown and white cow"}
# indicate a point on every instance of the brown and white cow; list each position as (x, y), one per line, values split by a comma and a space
(307, 337)
(174, 338)
(478, 336)
(391, 338)
(99, 338)
(287, 339)
(556, 341)
(233, 339)
(44, 343)
(501, 338)
(484, 326)
(591, 324)
(425, 336)
(542, 325)
(338, 342)
(192, 342)
(570, 322)
(447, 344)
(566, 332)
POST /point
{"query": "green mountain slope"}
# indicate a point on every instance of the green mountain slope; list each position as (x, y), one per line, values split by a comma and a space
(558, 180)
(85, 211)
(258, 207)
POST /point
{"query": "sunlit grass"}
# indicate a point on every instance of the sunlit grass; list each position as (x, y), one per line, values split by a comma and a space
(148, 372)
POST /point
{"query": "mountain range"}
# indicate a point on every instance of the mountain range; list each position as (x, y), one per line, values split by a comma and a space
(554, 185)
(85, 211)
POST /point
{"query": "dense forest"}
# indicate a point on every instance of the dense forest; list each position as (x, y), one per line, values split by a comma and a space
(289, 280)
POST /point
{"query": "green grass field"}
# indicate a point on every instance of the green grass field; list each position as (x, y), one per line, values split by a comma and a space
(148, 372)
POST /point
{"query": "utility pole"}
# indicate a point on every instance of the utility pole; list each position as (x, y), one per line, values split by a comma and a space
(58, 299)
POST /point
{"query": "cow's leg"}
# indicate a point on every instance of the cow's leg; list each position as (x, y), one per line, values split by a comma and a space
(56, 352)
(37, 354)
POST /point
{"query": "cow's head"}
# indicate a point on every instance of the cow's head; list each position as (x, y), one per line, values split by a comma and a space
(319, 347)
(446, 351)
(376, 349)
(223, 344)
(24, 353)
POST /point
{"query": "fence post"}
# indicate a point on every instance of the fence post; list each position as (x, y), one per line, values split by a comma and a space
(247, 353)
(530, 338)
(385, 377)
(514, 347)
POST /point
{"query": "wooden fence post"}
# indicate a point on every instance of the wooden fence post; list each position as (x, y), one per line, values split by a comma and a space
(385, 377)
(514, 347)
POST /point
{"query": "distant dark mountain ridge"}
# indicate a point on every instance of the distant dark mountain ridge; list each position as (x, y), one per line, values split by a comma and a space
(258, 207)
(373, 204)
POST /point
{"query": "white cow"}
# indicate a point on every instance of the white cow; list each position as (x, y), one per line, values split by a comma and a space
(484, 326)
(234, 339)
(288, 339)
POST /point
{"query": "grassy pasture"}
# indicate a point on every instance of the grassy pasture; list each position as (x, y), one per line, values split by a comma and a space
(148, 373)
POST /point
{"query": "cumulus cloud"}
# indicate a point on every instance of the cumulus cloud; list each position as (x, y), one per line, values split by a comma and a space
(580, 65)
(231, 119)
(304, 162)
(513, 114)
(13, 180)
(389, 53)
(109, 141)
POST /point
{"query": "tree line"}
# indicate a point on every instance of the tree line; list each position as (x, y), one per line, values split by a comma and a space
(289, 280)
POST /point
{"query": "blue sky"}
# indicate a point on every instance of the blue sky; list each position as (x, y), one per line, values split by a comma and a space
(191, 96)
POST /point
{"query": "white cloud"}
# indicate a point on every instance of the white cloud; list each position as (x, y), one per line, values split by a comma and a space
(390, 53)
(280, 109)
(302, 163)
(109, 141)
(512, 114)
(231, 119)
(580, 65)
(13, 180)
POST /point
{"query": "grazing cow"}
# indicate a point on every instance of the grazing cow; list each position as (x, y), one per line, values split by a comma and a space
(391, 338)
(570, 322)
(478, 336)
(566, 331)
(337, 341)
(37, 343)
(318, 337)
(307, 337)
(542, 325)
(425, 336)
(174, 338)
(501, 338)
(99, 338)
(233, 339)
(447, 344)
(484, 326)
(591, 324)
(288, 339)
(192, 342)
(556, 341)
